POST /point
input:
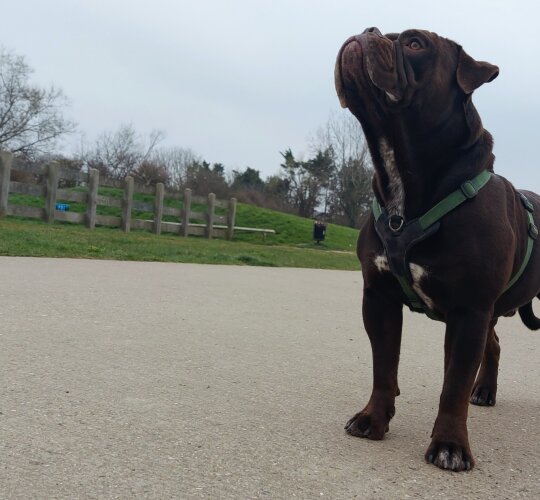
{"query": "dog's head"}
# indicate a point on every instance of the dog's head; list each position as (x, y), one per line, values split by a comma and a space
(415, 72)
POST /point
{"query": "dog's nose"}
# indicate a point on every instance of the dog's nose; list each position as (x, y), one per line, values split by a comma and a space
(372, 30)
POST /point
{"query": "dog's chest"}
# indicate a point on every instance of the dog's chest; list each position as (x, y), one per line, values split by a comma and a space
(419, 276)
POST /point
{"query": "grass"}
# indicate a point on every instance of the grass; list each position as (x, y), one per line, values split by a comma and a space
(291, 230)
(36, 201)
(291, 246)
(21, 237)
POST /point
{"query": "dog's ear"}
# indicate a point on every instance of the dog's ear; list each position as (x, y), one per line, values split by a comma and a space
(471, 73)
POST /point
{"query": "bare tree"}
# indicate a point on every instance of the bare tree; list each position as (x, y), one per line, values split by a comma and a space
(343, 133)
(176, 161)
(150, 173)
(349, 190)
(31, 120)
(351, 194)
(122, 152)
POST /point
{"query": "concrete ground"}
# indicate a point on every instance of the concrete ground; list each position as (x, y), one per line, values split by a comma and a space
(150, 380)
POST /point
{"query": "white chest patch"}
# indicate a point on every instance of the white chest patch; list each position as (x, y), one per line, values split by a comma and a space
(381, 263)
(418, 273)
(395, 185)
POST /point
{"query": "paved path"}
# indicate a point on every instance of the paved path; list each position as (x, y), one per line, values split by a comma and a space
(147, 380)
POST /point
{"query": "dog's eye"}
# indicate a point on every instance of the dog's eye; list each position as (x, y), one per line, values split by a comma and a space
(415, 44)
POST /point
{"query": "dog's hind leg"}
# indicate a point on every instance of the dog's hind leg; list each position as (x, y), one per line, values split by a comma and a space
(484, 392)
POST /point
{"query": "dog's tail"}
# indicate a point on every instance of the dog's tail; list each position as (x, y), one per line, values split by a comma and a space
(527, 316)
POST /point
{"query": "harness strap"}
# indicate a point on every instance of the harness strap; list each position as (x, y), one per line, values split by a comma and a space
(468, 190)
(533, 234)
(377, 210)
(399, 265)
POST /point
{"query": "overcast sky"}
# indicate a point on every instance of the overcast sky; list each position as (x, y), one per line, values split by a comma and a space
(238, 81)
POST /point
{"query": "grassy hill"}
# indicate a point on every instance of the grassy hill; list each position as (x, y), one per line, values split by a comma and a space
(292, 246)
(291, 230)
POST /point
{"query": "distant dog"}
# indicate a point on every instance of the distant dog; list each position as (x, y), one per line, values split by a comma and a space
(447, 236)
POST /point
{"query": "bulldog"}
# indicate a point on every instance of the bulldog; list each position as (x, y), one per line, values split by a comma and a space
(446, 237)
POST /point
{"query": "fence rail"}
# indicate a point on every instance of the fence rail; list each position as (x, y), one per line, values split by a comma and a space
(44, 183)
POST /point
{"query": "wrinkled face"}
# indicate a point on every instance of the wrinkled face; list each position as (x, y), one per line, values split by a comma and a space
(379, 75)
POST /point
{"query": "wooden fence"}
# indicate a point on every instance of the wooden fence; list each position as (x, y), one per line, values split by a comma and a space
(44, 183)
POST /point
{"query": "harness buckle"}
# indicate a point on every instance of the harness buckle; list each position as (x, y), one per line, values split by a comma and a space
(395, 223)
(468, 189)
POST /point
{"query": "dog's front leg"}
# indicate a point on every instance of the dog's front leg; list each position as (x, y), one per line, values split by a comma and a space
(466, 333)
(383, 322)
(485, 388)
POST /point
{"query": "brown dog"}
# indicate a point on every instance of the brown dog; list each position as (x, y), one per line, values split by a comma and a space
(412, 94)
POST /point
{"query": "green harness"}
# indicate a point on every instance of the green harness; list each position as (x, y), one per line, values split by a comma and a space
(398, 237)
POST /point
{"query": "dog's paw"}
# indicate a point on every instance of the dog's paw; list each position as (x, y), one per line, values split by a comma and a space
(364, 425)
(450, 457)
(483, 395)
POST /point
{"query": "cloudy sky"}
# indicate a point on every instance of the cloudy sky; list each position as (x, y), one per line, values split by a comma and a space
(238, 81)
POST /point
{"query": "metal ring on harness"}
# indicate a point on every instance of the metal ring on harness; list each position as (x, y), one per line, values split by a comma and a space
(395, 223)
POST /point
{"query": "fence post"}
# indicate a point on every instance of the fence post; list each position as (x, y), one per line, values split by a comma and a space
(91, 204)
(5, 175)
(210, 215)
(158, 207)
(127, 204)
(186, 213)
(51, 186)
(231, 216)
